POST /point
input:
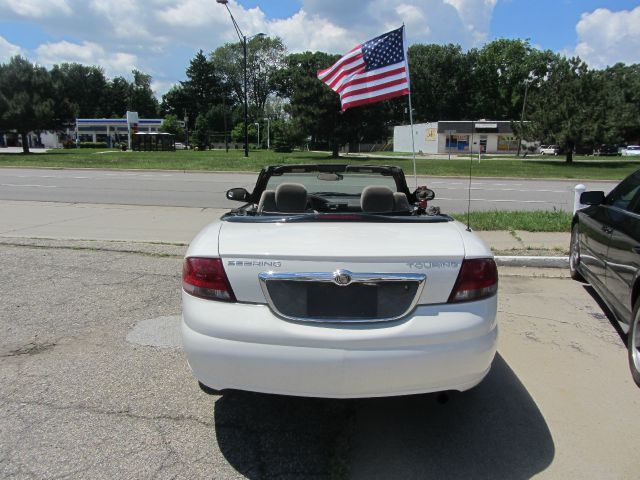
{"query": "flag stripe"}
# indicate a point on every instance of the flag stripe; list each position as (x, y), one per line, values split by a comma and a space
(373, 71)
(373, 88)
(371, 80)
(365, 75)
(346, 74)
(322, 74)
(377, 98)
(375, 93)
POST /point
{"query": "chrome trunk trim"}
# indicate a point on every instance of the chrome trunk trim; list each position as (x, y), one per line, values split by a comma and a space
(334, 277)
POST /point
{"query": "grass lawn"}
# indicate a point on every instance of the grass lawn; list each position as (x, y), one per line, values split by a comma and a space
(219, 160)
(534, 221)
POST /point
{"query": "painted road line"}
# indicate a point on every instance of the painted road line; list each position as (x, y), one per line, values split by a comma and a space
(30, 186)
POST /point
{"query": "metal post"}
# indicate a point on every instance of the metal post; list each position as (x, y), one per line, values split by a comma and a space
(413, 143)
(524, 104)
(257, 124)
(246, 115)
(578, 190)
(224, 118)
(268, 134)
(186, 128)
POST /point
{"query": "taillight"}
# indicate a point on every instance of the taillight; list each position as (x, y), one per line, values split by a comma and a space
(478, 278)
(206, 278)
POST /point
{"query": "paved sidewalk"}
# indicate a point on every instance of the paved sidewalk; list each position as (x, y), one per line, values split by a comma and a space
(75, 221)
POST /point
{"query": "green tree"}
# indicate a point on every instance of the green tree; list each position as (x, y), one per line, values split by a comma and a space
(265, 57)
(117, 98)
(142, 99)
(29, 100)
(237, 134)
(85, 87)
(441, 82)
(171, 125)
(618, 99)
(562, 108)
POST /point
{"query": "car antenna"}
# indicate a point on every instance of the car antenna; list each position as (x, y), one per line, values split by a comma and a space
(469, 190)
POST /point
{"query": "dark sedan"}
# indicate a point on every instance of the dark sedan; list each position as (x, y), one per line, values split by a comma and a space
(605, 251)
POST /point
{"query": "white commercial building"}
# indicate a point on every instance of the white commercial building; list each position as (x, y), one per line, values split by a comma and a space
(112, 130)
(454, 137)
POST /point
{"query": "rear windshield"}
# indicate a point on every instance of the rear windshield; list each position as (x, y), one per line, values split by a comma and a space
(346, 183)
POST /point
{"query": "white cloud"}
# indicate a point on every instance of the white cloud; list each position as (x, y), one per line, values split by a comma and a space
(8, 50)
(160, 88)
(88, 53)
(297, 33)
(476, 15)
(606, 37)
(37, 8)
(161, 36)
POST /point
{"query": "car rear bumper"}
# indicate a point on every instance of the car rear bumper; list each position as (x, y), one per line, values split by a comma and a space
(246, 347)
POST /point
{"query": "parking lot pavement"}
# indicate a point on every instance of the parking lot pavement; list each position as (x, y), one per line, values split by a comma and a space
(90, 389)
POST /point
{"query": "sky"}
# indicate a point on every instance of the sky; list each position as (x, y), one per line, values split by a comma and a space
(159, 37)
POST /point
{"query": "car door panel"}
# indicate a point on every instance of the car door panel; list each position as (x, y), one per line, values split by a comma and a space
(594, 240)
(623, 260)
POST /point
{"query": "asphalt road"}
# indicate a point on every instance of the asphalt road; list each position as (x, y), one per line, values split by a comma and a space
(206, 190)
(93, 384)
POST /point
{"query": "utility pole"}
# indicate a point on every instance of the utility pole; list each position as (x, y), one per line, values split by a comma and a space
(243, 41)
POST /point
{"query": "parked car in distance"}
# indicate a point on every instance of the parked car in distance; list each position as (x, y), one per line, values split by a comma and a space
(180, 146)
(630, 151)
(606, 150)
(549, 150)
(318, 287)
(605, 250)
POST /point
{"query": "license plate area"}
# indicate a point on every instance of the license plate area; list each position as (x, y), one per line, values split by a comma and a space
(326, 301)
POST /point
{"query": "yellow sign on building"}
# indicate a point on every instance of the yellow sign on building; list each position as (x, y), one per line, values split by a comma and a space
(431, 135)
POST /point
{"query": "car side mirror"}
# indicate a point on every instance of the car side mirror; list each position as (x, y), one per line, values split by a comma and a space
(592, 198)
(238, 194)
(424, 193)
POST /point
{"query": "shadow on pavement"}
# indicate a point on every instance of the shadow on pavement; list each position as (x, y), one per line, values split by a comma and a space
(606, 311)
(492, 431)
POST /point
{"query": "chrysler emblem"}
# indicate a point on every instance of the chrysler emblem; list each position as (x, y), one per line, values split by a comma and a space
(342, 278)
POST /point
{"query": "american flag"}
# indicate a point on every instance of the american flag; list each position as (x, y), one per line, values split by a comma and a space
(371, 72)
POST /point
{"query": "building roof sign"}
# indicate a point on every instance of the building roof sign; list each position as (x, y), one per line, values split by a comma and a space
(117, 121)
(471, 126)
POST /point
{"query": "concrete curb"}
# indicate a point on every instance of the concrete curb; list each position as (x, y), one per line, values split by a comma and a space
(531, 261)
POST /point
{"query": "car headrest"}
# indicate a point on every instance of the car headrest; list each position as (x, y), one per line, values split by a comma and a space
(400, 202)
(377, 198)
(267, 201)
(291, 198)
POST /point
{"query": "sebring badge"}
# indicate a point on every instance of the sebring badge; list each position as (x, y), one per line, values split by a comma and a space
(342, 277)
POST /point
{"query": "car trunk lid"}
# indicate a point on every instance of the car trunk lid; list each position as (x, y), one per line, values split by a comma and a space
(434, 250)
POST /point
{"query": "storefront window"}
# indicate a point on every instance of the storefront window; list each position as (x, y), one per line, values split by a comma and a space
(507, 143)
(458, 143)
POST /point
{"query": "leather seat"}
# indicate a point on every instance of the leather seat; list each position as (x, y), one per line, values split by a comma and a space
(377, 199)
(286, 198)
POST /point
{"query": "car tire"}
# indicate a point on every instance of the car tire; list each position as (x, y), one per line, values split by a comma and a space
(574, 254)
(633, 345)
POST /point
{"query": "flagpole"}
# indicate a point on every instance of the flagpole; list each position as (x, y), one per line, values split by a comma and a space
(413, 143)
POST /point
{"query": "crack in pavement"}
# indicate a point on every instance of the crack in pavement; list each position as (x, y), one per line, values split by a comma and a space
(123, 413)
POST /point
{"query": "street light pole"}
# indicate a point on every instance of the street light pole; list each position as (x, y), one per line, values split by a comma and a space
(246, 115)
(268, 130)
(243, 40)
(257, 124)
(527, 82)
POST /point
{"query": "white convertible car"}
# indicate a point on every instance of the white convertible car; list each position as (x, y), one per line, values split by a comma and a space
(337, 281)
